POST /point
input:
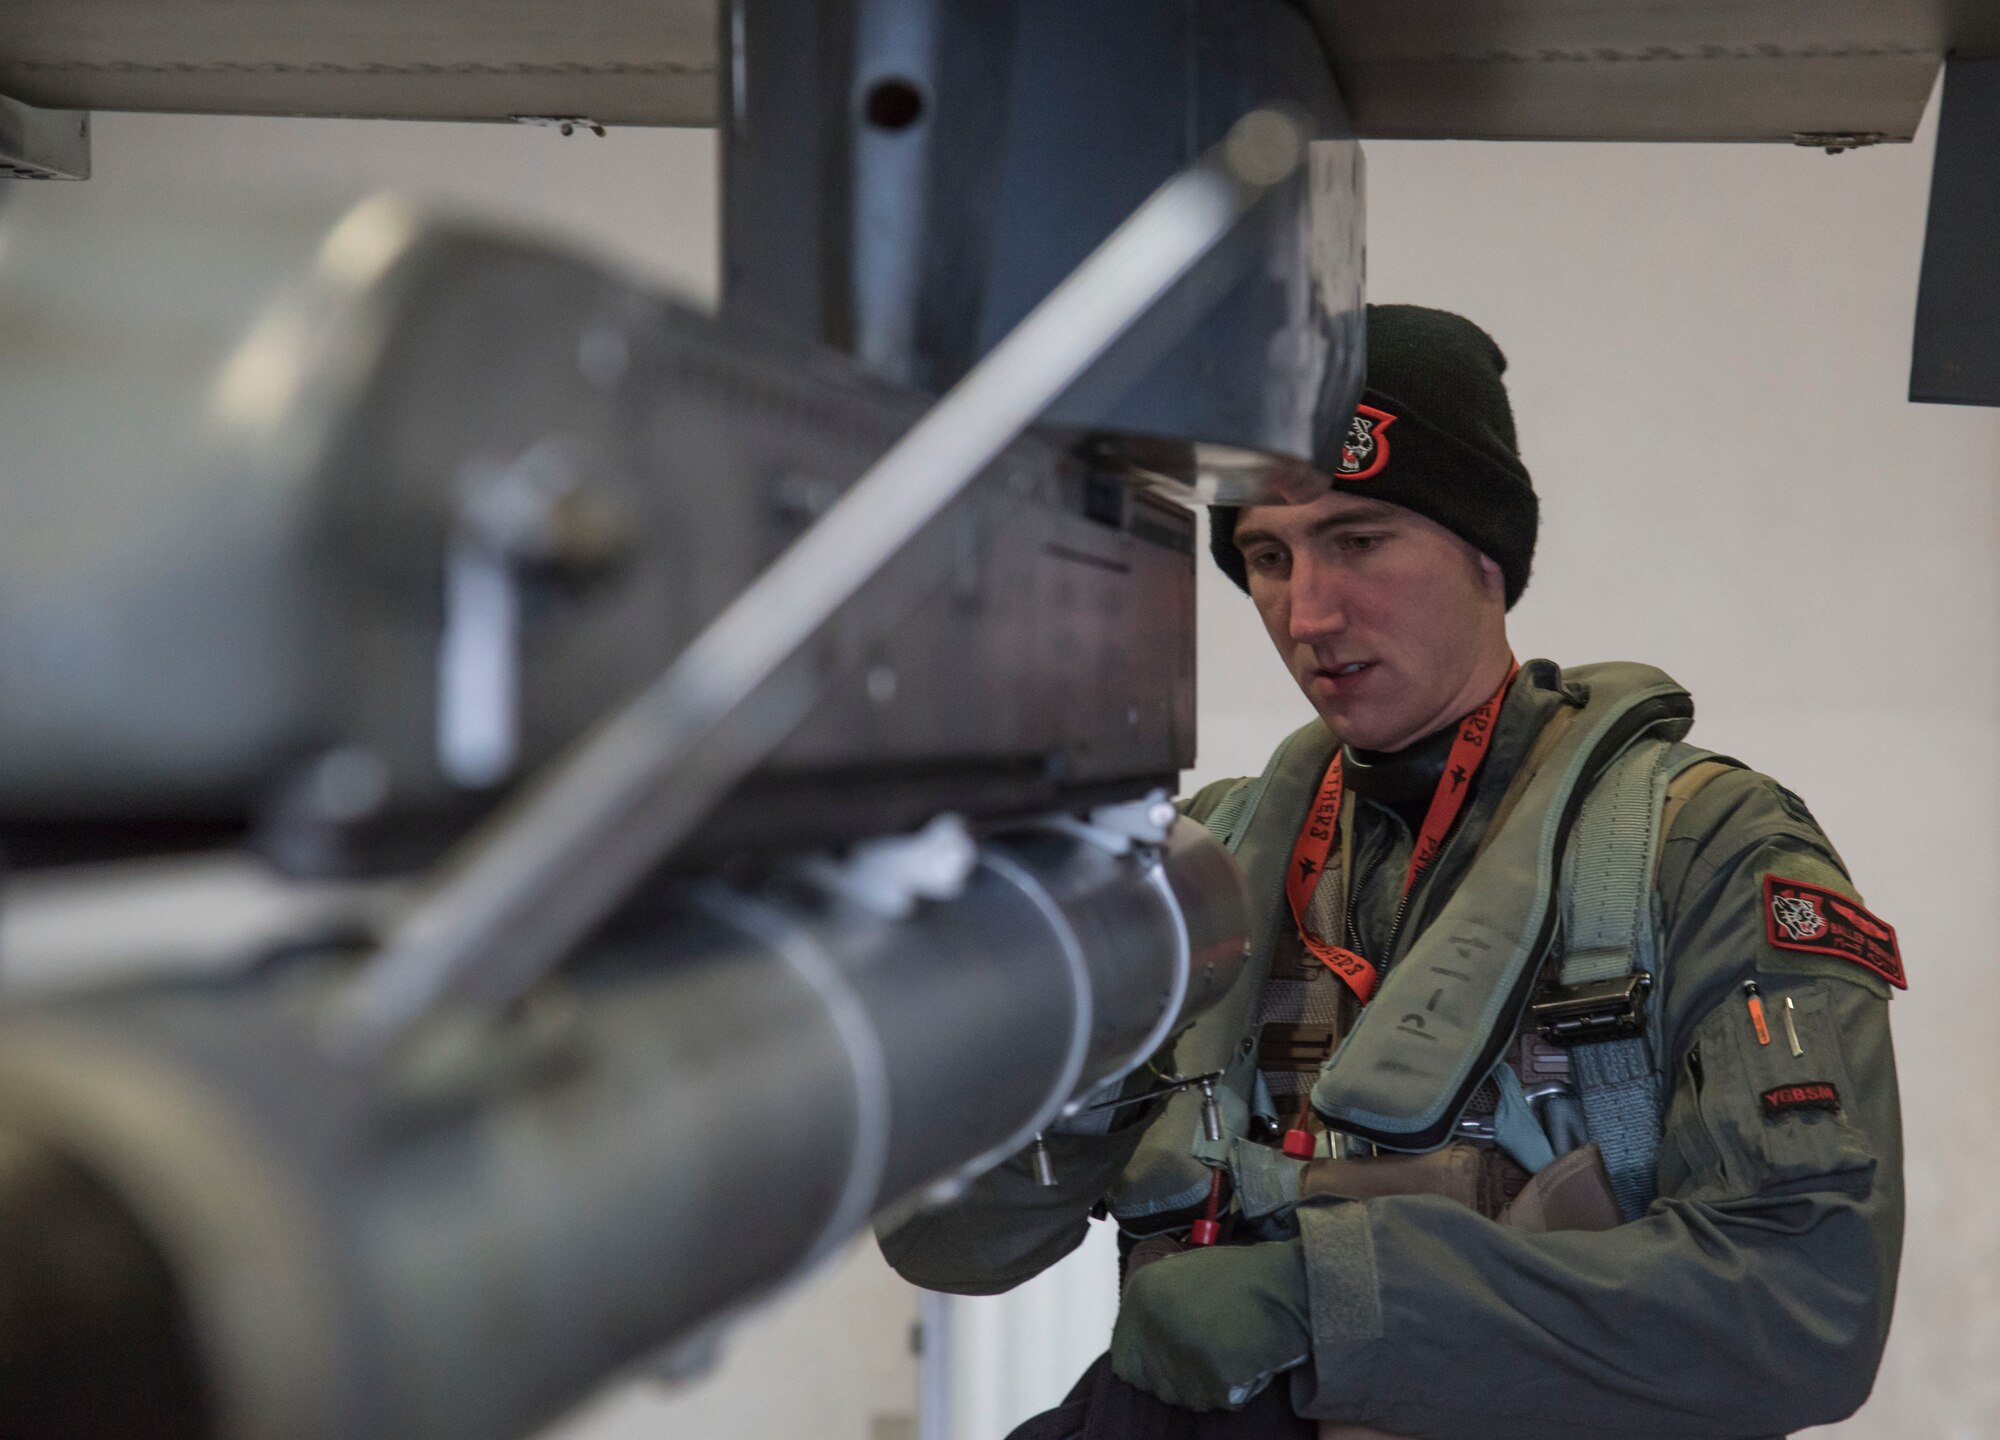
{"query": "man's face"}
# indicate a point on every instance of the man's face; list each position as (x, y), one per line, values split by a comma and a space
(1391, 624)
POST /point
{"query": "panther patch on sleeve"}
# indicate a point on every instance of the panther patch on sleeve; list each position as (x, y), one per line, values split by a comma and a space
(1814, 920)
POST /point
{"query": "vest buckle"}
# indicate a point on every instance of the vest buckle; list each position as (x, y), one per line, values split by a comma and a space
(1613, 1009)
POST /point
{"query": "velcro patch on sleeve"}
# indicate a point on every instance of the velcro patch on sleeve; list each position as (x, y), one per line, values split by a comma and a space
(1811, 1095)
(1799, 915)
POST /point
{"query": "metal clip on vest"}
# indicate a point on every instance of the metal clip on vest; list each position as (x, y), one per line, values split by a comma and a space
(1045, 1168)
(1211, 1109)
(1613, 1009)
(1211, 1118)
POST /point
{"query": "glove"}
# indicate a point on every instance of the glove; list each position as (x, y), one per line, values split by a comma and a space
(1208, 1329)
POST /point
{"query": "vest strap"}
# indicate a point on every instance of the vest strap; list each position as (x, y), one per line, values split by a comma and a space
(1224, 821)
(1230, 821)
(1611, 924)
(1256, 820)
(1451, 1004)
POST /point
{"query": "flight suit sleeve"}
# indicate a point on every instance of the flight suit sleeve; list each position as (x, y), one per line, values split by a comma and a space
(1006, 1227)
(1753, 1297)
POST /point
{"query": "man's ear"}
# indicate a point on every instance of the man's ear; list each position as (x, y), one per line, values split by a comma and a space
(1494, 578)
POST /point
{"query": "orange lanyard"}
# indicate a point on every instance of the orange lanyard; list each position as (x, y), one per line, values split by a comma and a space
(1315, 842)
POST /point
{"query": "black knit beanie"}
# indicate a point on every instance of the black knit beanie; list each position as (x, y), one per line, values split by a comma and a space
(1434, 434)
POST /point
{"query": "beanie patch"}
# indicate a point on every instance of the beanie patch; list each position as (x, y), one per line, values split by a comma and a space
(1436, 377)
(1365, 451)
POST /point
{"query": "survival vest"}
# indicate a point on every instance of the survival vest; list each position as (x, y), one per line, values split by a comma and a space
(1563, 876)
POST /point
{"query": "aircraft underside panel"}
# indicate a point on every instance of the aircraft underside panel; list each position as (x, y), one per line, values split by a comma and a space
(1501, 70)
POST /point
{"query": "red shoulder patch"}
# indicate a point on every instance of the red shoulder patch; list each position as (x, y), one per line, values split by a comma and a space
(1814, 920)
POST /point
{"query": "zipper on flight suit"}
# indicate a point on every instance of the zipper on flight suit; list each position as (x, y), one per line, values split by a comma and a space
(1691, 1066)
(1402, 904)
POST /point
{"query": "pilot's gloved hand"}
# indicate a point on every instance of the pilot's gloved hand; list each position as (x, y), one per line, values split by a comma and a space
(1208, 1329)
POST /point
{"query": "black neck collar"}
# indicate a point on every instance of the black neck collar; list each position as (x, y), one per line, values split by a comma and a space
(1402, 780)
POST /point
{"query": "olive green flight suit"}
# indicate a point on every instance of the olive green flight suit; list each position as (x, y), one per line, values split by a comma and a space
(1752, 1298)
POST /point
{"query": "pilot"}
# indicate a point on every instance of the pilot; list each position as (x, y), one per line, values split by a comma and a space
(1558, 1098)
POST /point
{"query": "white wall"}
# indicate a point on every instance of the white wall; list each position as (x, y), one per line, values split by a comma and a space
(1709, 352)
(831, 1360)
